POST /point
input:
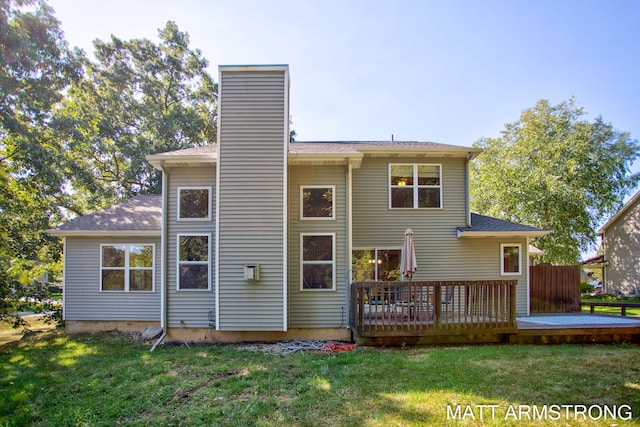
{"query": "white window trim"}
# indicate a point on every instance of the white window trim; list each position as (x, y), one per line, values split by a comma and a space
(416, 186)
(333, 203)
(127, 268)
(510, 245)
(209, 205)
(333, 263)
(178, 262)
(375, 254)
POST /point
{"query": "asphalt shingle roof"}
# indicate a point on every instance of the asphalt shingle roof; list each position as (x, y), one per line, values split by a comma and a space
(339, 147)
(482, 223)
(140, 213)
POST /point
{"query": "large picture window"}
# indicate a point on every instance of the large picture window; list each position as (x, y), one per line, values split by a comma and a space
(318, 261)
(126, 267)
(194, 203)
(375, 265)
(316, 202)
(414, 186)
(194, 255)
(511, 259)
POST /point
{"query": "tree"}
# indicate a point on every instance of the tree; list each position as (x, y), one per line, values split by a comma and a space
(138, 98)
(555, 170)
(36, 66)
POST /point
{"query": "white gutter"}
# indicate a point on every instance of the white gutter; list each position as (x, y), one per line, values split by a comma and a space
(104, 233)
(501, 234)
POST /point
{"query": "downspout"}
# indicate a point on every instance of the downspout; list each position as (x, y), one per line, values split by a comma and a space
(467, 195)
(64, 278)
(528, 277)
(348, 228)
(163, 259)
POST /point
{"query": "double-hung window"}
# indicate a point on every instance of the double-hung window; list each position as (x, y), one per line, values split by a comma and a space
(194, 203)
(414, 186)
(318, 261)
(316, 202)
(194, 261)
(126, 267)
(510, 259)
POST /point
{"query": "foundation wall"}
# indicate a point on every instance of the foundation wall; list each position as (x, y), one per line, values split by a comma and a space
(212, 335)
(208, 334)
(82, 326)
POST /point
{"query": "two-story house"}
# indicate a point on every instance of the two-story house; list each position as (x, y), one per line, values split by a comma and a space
(259, 238)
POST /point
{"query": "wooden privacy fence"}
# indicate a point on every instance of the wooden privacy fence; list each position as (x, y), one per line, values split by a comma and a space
(432, 308)
(554, 288)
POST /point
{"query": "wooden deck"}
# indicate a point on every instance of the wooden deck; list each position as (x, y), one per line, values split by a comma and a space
(413, 313)
(419, 313)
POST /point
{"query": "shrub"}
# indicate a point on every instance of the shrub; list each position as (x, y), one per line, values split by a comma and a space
(586, 288)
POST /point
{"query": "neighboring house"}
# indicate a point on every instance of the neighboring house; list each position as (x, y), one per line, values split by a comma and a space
(258, 238)
(621, 249)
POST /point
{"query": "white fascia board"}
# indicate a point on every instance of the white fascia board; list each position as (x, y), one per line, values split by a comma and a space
(265, 67)
(500, 234)
(159, 160)
(319, 159)
(470, 153)
(104, 233)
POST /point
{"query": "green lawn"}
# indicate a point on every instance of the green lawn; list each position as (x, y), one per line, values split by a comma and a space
(92, 380)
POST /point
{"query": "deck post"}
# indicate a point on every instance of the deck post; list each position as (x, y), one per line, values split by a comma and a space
(512, 302)
(437, 305)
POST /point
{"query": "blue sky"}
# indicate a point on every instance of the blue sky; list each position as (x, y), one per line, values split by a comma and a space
(444, 71)
(448, 71)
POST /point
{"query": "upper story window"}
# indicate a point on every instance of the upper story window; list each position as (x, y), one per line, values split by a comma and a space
(316, 202)
(126, 268)
(194, 261)
(413, 186)
(194, 203)
(511, 259)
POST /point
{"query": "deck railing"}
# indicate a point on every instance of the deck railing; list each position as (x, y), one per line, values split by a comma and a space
(433, 308)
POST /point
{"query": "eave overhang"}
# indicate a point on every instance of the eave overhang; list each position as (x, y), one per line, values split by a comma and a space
(103, 233)
(310, 159)
(469, 234)
(468, 153)
(159, 161)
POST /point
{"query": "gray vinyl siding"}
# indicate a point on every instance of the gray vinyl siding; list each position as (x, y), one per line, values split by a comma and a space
(83, 297)
(189, 306)
(318, 308)
(621, 241)
(440, 254)
(251, 157)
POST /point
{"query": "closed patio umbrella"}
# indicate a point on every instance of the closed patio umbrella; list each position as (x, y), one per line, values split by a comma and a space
(408, 264)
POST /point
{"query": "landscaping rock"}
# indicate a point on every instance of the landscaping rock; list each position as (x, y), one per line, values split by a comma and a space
(151, 332)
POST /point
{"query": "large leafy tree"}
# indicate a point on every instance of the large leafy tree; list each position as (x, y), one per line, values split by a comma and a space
(36, 65)
(136, 98)
(556, 170)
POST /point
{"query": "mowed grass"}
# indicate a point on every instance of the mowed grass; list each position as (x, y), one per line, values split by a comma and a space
(103, 380)
(35, 323)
